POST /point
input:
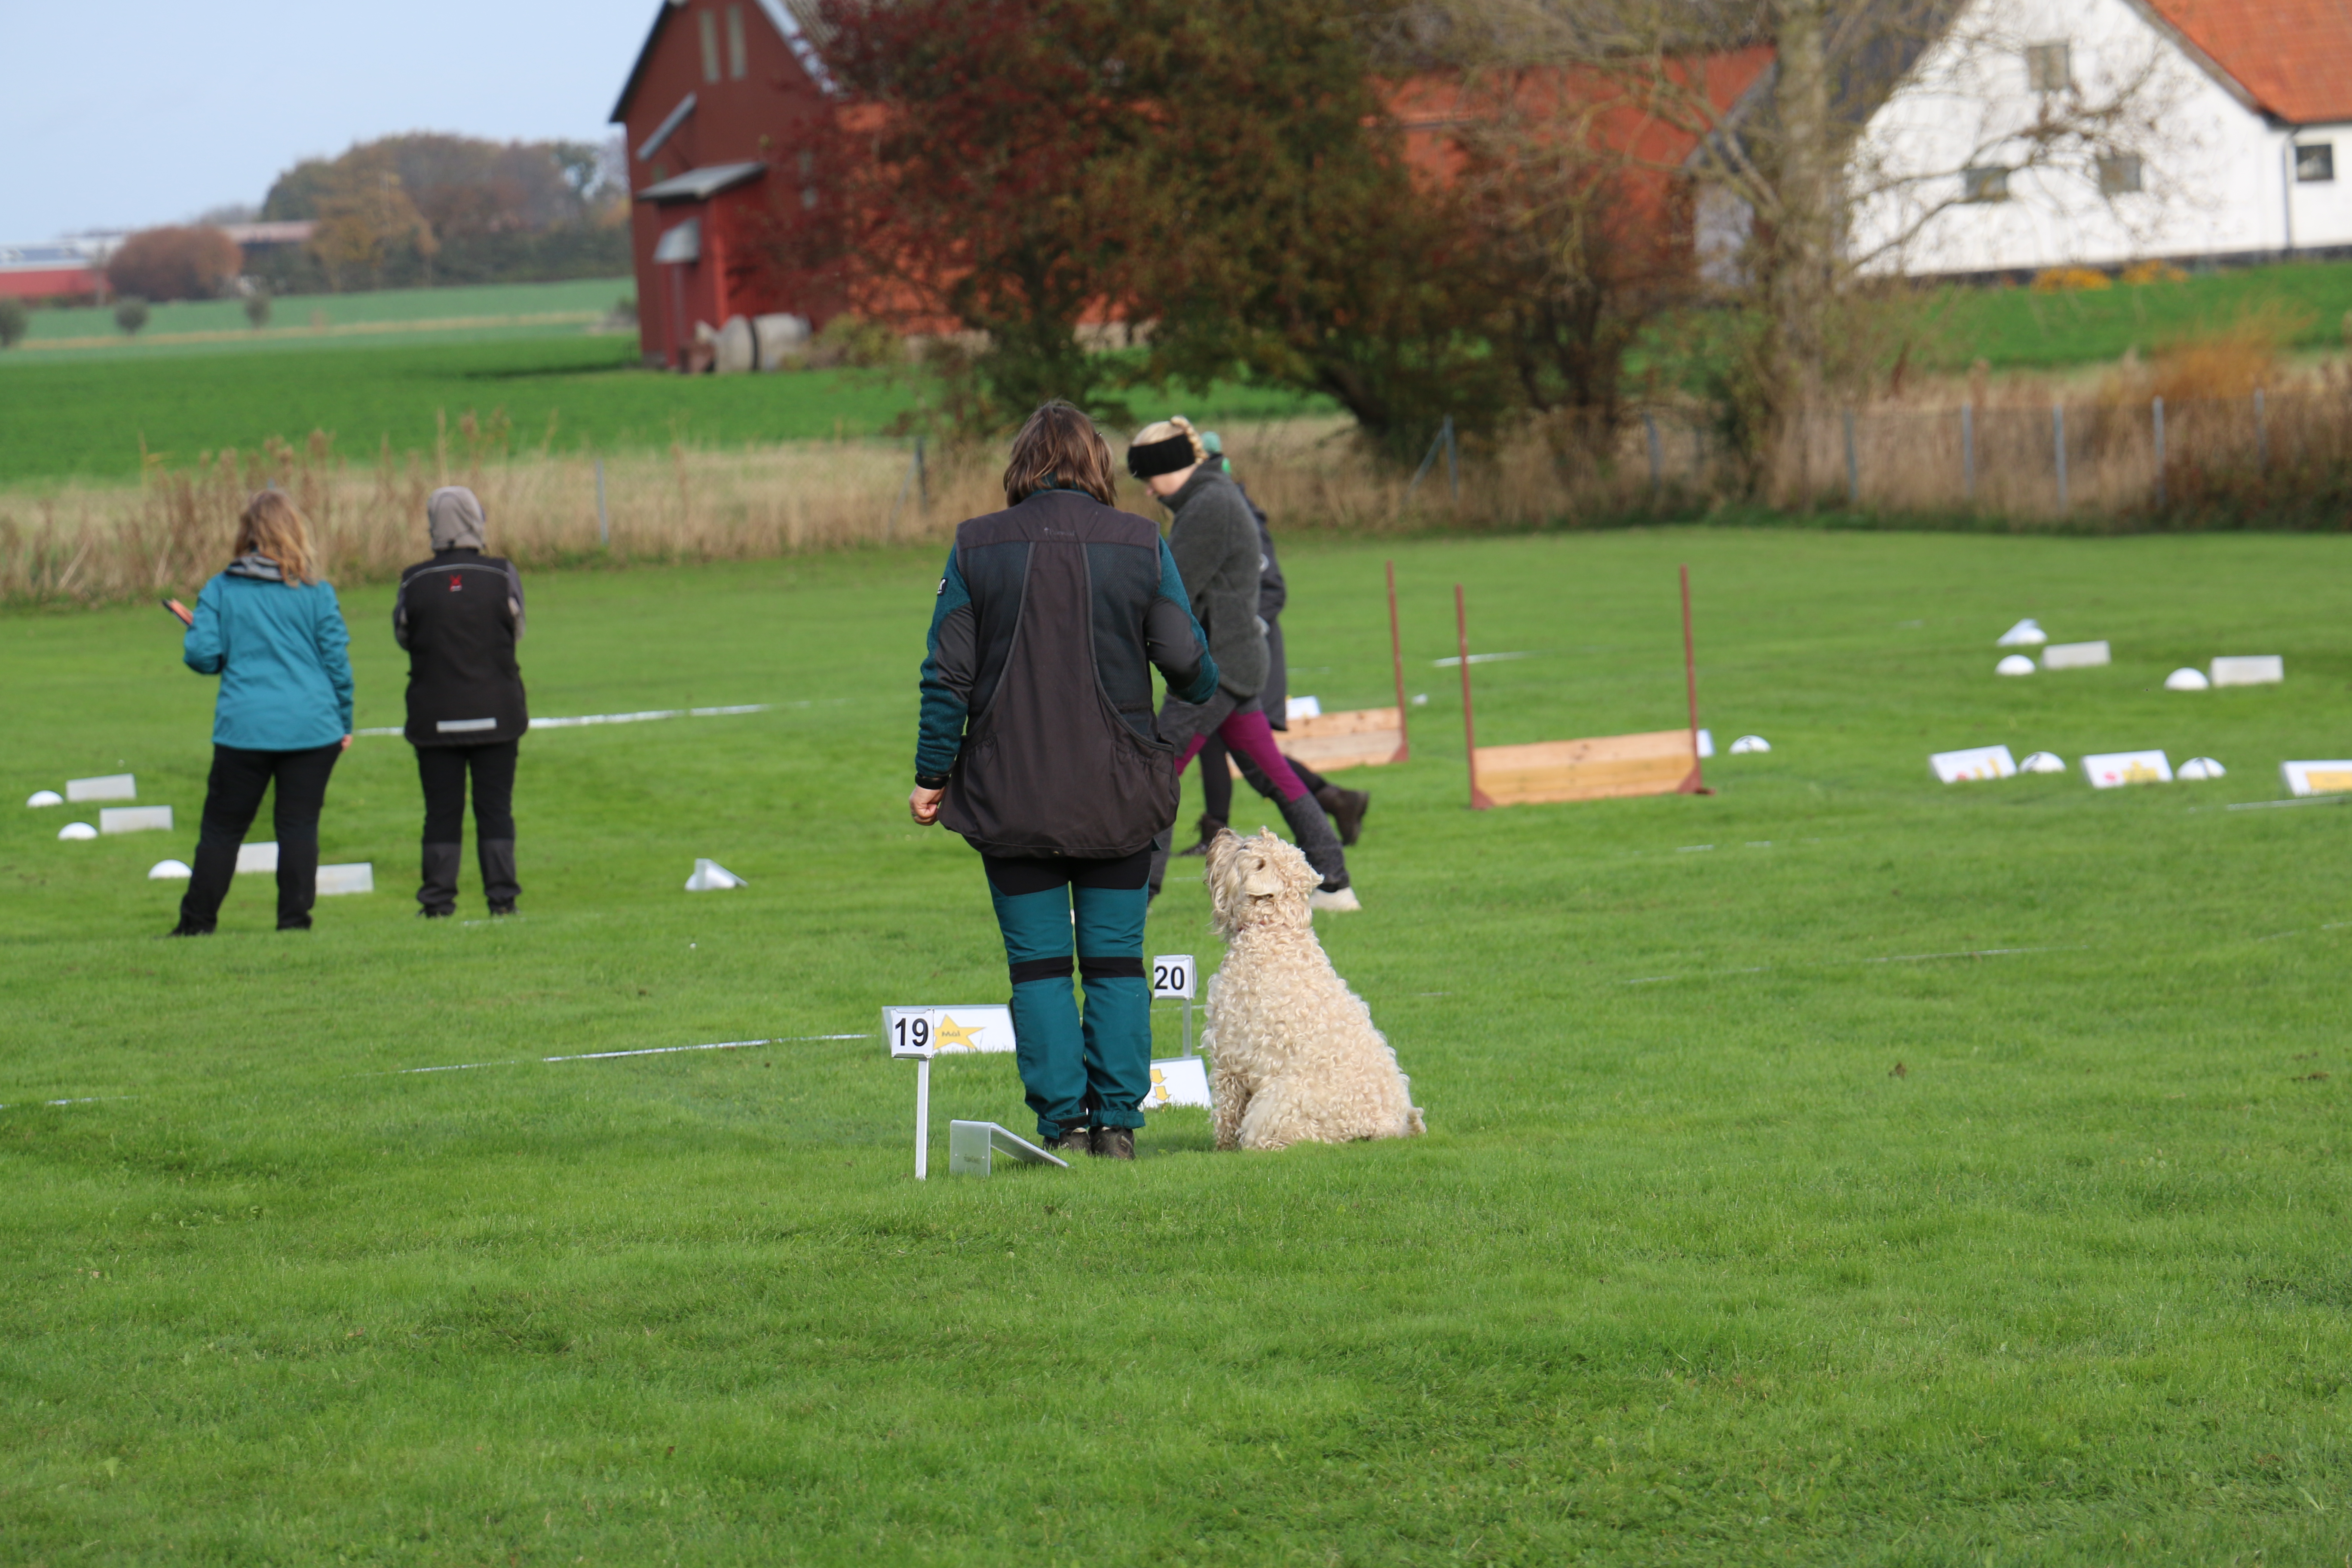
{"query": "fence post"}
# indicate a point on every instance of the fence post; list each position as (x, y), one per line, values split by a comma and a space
(1969, 453)
(922, 480)
(1444, 433)
(2058, 445)
(603, 523)
(1658, 477)
(1452, 460)
(2261, 437)
(2157, 409)
(1853, 469)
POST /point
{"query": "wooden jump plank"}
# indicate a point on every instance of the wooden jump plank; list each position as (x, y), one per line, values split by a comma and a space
(1600, 767)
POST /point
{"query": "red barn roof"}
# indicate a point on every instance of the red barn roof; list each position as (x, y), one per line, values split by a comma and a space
(2289, 58)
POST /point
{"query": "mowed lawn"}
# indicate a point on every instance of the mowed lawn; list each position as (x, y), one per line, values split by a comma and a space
(1843, 1168)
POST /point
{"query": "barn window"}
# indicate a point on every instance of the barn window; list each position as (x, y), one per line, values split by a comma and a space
(2314, 163)
(2048, 67)
(1984, 184)
(739, 58)
(2119, 175)
(709, 45)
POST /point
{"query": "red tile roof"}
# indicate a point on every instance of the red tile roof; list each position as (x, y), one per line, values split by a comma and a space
(2293, 58)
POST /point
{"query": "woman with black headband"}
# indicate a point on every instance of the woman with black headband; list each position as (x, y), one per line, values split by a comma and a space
(1215, 540)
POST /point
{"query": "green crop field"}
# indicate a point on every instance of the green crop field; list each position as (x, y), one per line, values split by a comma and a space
(2020, 329)
(308, 321)
(1838, 1169)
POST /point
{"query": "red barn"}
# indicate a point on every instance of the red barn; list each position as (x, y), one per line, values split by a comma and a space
(721, 111)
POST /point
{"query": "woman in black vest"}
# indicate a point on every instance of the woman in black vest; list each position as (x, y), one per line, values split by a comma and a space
(1040, 750)
(459, 616)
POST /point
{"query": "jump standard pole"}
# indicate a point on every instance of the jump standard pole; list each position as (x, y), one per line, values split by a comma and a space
(1479, 800)
(1696, 783)
(1396, 653)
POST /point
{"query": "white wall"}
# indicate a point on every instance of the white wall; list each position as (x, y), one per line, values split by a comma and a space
(2213, 170)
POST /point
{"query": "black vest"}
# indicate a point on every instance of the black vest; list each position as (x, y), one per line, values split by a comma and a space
(464, 687)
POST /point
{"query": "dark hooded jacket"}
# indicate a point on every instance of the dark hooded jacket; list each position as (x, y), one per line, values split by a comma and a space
(1215, 538)
(1037, 703)
(459, 616)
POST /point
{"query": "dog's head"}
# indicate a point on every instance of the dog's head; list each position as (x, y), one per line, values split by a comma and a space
(1258, 882)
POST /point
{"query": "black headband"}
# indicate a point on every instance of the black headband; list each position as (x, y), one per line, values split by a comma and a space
(1146, 458)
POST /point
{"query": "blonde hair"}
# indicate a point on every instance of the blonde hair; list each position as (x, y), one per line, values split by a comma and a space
(1168, 429)
(270, 526)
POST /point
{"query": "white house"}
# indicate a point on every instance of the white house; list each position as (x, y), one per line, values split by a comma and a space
(2037, 134)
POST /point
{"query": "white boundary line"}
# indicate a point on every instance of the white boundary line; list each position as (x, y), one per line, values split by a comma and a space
(573, 722)
(610, 1056)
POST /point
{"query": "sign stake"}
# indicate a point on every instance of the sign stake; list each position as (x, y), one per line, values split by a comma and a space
(1396, 653)
(1479, 800)
(923, 1120)
(1697, 781)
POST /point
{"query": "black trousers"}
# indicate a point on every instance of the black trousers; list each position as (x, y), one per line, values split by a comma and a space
(231, 797)
(441, 771)
(1217, 780)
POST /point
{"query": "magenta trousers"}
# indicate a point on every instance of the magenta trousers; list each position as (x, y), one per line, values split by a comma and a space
(1253, 737)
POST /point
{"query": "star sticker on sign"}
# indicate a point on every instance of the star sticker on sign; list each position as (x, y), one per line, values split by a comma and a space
(953, 1036)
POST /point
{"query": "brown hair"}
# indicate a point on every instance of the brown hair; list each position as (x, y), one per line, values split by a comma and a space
(270, 526)
(1059, 447)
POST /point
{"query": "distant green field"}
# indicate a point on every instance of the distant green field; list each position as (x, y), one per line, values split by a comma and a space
(323, 320)
(2018, 328)
(71, 414)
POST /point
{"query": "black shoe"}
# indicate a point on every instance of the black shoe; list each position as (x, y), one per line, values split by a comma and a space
(1346, 807)
(435, 914)
(499, 912)
(302, 924)
(1209, 828)
(1114, 1144)
(188, 928)
(1070, 1140)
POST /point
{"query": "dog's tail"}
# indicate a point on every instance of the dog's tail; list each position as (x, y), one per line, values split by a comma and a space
(1413, 1124)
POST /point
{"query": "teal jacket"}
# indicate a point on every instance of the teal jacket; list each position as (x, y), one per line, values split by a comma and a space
(282, 655)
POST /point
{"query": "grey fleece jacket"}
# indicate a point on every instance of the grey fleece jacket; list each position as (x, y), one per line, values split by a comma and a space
(1215, 543)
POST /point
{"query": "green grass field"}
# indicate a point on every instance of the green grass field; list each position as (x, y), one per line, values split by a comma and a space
(1686, 1270)
(2019, 329)
(307, 321)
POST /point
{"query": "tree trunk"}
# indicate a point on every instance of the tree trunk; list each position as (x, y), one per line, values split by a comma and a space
(1805, 231)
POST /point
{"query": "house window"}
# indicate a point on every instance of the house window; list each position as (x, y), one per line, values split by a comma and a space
(739, 58)
(2119, 175)
(2314, 163)
(2048, 67)
(709, 45)
(1987, 184)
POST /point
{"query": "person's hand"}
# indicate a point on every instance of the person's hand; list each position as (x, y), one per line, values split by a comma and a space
(347, 742)
(924, 804)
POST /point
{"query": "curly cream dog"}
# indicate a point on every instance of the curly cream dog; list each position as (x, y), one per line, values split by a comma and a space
(1294, 1056)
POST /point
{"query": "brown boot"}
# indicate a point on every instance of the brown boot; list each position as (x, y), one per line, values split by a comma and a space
(1209, 828)
(1071, 1142)
(1346, 807)
(1114, 1144)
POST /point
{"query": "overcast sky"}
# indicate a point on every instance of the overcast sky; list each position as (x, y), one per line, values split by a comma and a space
(142, 112)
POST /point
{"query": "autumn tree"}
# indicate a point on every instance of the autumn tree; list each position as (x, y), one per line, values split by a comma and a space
(364, 214)
(179, 262)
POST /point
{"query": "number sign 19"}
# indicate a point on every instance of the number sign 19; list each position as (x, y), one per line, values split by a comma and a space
(1171, 977)
(921, 1032)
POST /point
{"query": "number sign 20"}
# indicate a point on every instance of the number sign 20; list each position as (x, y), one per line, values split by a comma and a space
(1171, 977)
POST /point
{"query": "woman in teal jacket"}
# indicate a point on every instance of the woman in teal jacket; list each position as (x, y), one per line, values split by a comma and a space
(273, 633)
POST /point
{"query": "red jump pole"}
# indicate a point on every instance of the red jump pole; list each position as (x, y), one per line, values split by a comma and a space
(1396, 652)
(1696, 783)
(1478, 800)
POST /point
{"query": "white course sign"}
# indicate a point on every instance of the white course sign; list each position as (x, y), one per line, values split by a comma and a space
(2316, 778)
(1973, 765)
(1172, 977)
(922, 1033)
(2113, 769)
(134, 819)
(2249, 669)
(971, 1144)
(1177, 1080)
(2074, 655)
(110, 787)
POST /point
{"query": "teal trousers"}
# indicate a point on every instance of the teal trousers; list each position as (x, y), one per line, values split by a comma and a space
(1077, 1072)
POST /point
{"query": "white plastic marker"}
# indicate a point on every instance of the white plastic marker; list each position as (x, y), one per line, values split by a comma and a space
(1177, 1080)
(112, 786)
(2113, 769)
(1706, 744)
(257, 857)
(2197, 769)
(922, 1033)
(356, 878)
(709, 876)
(1973, 765)
(1172, 976)
(2249, 669)
(970, 1144)
(2186, 679)
(2316, 778)
(41, 797)
(2043, 763)
(169, 872)
(135, 819)
(73, 832)
(1302, 707)
(2027, 633)
(1749, 743)
(2015, 664)
(2075, 655)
